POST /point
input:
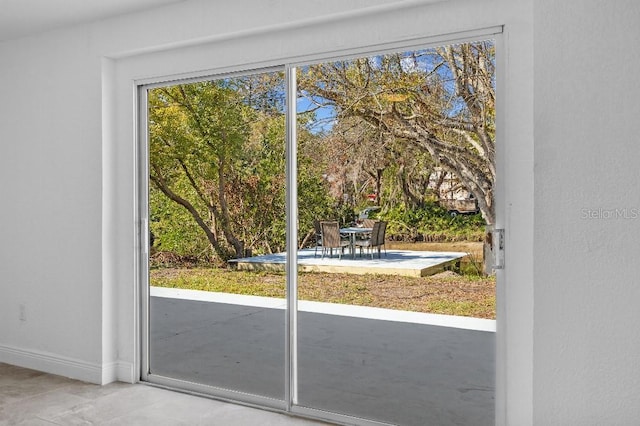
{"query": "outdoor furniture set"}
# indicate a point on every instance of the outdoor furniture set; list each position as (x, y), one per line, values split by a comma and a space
(369, 236)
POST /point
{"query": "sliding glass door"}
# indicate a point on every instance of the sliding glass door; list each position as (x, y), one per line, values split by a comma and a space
(315, 236)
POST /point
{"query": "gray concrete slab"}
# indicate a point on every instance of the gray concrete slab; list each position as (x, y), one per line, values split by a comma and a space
(398, 372)
(398, 262)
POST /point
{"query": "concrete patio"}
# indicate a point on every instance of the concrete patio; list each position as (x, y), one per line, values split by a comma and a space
(394, 262)
(399, 367)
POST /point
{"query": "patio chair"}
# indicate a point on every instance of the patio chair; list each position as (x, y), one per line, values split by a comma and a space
(331, 239)
(382, 233)
(376, 240)
(318, 236)
(368, 223)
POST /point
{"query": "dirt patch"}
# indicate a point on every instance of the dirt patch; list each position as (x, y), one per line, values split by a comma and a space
(445, 293)
(473, 248)
(446, 274)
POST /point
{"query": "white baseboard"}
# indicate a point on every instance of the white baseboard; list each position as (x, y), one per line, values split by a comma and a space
(124, 372)
(67, 367)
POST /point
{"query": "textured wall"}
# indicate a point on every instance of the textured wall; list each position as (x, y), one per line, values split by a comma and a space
(586, 362)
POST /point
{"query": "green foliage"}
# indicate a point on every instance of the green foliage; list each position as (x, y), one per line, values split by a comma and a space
(217, 156)
(314, 196)
(217, 151)
(174, 229)
(431, 222)
(257, 197)
(345, 214)
(408, 113)
(219, 146)
(314, 202)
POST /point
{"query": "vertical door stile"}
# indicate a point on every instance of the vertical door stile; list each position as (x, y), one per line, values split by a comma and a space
(291, 393)
(142, 198)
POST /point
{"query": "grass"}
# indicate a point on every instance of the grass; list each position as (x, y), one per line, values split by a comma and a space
(445, 293)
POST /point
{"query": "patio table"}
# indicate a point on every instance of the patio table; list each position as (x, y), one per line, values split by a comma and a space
(352, 231)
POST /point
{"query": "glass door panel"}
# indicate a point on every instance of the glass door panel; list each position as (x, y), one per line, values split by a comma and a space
(217, 226)
(369, 344)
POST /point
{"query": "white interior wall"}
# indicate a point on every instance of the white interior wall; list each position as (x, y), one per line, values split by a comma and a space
(587, 341)
(567, 351)
(50, 167)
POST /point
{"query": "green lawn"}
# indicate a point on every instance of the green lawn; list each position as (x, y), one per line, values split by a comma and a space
(445, 293)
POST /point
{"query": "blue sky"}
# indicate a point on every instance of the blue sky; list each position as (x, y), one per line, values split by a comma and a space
(325, 116)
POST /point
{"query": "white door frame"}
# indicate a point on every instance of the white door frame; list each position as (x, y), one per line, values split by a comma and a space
(289, 67)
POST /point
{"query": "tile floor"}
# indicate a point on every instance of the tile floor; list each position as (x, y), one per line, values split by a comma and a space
(32, 398)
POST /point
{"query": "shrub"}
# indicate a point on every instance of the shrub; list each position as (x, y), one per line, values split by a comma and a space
(431, 222)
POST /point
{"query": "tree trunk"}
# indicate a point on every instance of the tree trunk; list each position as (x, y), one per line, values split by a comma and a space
(225, 217)
(161, 185)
